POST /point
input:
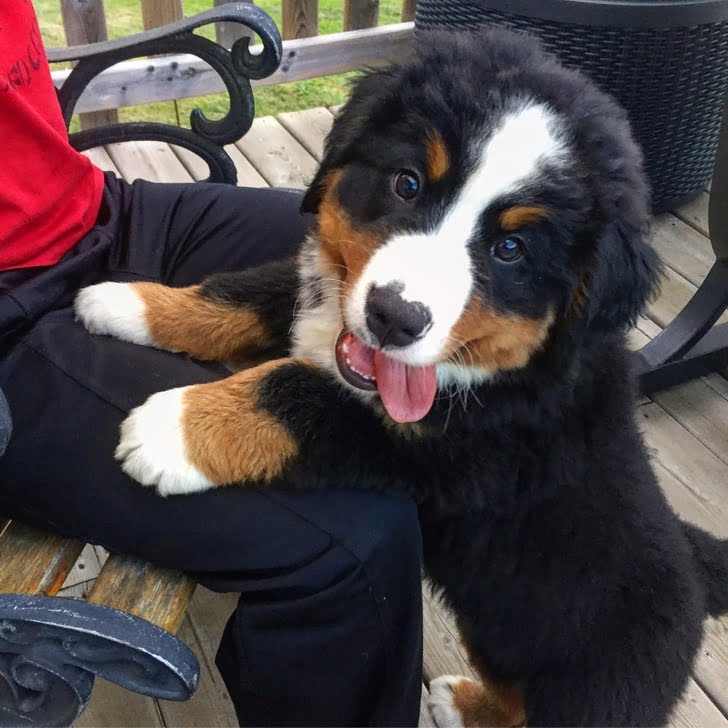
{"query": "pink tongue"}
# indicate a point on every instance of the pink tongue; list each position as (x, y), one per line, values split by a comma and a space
(360, 355)
(407, 393)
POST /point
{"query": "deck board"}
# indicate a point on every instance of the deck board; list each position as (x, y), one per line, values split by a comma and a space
(248, 176)
(697, 408)
(443, 651)
(309, 128)
(685, 456)
(695, 213)
(711, 665)
(211, 704)
(114, 707)
(426, 720)
(275, 153)
(151, 161)
(686, 428)
(684, 249)
(696, 710)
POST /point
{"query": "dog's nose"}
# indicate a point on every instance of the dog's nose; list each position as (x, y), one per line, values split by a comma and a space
(394, 321)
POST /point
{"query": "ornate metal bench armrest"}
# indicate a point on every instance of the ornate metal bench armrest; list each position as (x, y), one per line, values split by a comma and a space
(51, 648)
(237, 67)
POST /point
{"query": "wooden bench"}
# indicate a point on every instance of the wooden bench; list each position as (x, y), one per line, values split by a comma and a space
(51, 648)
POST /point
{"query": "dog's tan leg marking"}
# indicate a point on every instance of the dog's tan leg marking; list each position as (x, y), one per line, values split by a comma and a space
(489, 704)
(457, 701)
(228, 437)
(193, 438)
(176, 319)
(179, 319)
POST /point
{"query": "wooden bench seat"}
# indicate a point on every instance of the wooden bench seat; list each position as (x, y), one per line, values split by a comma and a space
(51, 648)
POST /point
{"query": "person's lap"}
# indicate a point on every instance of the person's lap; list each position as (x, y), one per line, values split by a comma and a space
(69, 392)
(59, 470)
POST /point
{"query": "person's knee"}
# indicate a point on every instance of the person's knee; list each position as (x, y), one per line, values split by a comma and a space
(350, 618)
(370, 527)
(392, 534)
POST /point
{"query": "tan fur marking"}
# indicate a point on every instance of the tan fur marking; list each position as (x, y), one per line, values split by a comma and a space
(494, 341)
(580, 296)
(179, 319)
(517, 217)
(438, 158)
(488, 704)
(228, 438)
(347, 249)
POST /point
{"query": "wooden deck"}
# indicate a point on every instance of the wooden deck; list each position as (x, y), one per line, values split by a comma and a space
(686, 427)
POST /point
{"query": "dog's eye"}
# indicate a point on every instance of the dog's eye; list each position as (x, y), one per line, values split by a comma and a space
(508, 249)
(406, 184)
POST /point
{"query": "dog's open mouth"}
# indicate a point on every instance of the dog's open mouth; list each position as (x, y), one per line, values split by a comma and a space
(407, 392)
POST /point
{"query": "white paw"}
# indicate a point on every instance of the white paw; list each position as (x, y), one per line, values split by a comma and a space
(445, 714)
(115, 309)
(152, 449)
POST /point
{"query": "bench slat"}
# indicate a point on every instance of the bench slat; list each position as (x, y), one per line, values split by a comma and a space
(158, 595)
(33, 561)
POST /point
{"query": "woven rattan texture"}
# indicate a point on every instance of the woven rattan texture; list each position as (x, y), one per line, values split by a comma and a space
(672, 82)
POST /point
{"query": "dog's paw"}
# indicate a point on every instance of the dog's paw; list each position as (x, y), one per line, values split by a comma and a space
(152, 447)
(441, 702)
(115, 309)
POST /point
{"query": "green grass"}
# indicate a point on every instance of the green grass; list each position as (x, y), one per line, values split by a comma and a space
(124, 18)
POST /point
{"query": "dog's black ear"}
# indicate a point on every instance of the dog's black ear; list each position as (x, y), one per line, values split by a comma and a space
(624, 276)
(315, 192)
(369, 93)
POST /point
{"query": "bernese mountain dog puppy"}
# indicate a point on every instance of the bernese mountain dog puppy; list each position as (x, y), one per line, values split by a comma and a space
(455, 328)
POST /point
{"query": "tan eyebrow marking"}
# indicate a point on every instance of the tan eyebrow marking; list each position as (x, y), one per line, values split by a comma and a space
(438, 158)
(520, 215)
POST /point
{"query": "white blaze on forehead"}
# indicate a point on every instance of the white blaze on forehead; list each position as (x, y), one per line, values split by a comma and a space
(435, 267)
(509, 158)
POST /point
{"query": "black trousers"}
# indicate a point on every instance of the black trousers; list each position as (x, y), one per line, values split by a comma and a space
(329, 623)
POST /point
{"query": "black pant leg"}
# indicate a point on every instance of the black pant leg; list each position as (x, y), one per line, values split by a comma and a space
(179, 233)
(366, 621)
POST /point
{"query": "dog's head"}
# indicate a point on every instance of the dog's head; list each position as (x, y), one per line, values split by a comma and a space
(471, 202)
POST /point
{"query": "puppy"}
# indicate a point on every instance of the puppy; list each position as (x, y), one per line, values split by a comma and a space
(455, 329)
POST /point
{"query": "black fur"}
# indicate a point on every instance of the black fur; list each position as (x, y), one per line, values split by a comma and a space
(270, 291)
(711, 558)
(544, 526)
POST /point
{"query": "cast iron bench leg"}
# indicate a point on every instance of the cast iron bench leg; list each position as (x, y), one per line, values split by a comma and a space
(51, 648)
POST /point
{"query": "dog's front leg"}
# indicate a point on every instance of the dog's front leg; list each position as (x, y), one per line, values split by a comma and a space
(229, 317)
(282, 417)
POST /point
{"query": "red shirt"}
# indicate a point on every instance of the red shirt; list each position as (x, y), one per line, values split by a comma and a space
(49, 193)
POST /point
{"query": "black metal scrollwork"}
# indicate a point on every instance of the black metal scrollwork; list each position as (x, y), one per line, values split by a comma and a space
(51, 649)
(236, 67)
